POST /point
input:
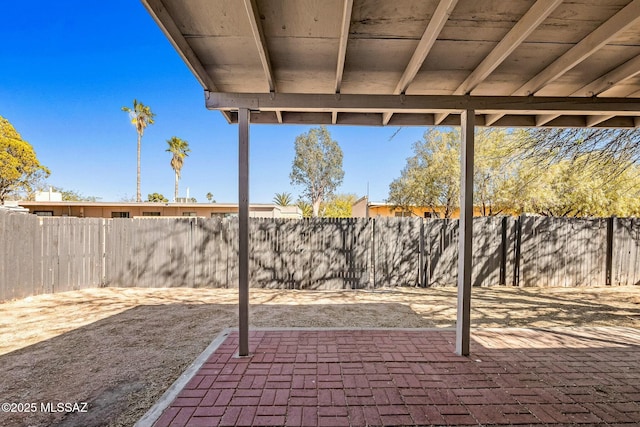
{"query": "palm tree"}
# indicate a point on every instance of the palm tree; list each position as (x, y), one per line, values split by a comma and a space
(156, 197)
(210, 198)
(141, 117)
(179, 148)
(306, 208)
(282, 199)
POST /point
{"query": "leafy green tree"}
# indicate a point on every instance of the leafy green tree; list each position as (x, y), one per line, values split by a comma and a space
(210, 198)
(157, 197)
(283, 199)
(604, 146)
(179, 149)
(20, 169)
(306, 208)
(495, 184)
(338, 206)
(527, 171)
(579, 172)
(624, 196)
(431, 177)
(583, 188)
(141, 116)
(317, 166)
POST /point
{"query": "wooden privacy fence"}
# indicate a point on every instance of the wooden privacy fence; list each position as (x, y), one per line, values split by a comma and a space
(45, 255)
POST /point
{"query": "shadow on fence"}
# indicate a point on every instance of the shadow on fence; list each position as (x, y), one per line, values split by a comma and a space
(44, 255)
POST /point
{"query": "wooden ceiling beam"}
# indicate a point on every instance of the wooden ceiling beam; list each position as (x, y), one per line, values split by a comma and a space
(168, 26)
(596, 120)
(347, 7)
(514, 38)
(360, 103)
(373, 119)
(431, 33)
(543, 119)
(227, 116)
(261, 44)
(628, 70)
(618, 23)
(621, 21)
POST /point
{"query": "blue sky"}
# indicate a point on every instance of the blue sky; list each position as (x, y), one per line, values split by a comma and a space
(67, 68)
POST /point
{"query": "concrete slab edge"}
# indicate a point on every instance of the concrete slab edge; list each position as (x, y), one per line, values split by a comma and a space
(172, 392)
(345, 328)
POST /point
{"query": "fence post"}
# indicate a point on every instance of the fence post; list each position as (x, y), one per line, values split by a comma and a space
(609, 259)
(516, 266)
(427, 253)
(421, 256)
(102, 249)
(503, 253)
(372, 256)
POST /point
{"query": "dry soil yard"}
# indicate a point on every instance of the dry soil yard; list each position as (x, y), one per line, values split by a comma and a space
(119, 349)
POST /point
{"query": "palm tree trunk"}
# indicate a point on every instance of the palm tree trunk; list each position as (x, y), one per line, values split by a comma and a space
(138, 193)
(175, 194)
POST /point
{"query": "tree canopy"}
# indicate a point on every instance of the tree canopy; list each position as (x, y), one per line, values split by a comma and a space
(560, 172)
(156, 197)
(20, 169)
(317, 166)
(338, 206)
(431, 177)
(579, 172)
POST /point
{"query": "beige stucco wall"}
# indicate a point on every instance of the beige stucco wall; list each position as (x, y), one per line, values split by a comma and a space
(106, 210)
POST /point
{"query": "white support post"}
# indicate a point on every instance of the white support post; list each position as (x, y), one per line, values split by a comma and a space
(243, 231)
(463, 324)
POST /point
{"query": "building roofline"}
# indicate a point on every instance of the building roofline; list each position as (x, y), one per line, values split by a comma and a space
(146, 204)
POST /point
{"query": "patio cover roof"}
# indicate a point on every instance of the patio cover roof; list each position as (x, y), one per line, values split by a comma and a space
(413, 62)
(409, 62)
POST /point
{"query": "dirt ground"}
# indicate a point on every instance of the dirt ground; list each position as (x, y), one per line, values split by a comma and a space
(120, 349)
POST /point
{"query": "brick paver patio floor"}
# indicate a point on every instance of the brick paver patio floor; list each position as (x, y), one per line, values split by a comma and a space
(588, 376)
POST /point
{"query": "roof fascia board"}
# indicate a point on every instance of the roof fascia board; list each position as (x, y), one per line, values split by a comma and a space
(168, 26)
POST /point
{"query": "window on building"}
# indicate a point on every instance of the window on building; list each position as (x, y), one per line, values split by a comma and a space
(119, 214)
(189, 214)
(43, 213)
(403, 214)
(150, 213)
